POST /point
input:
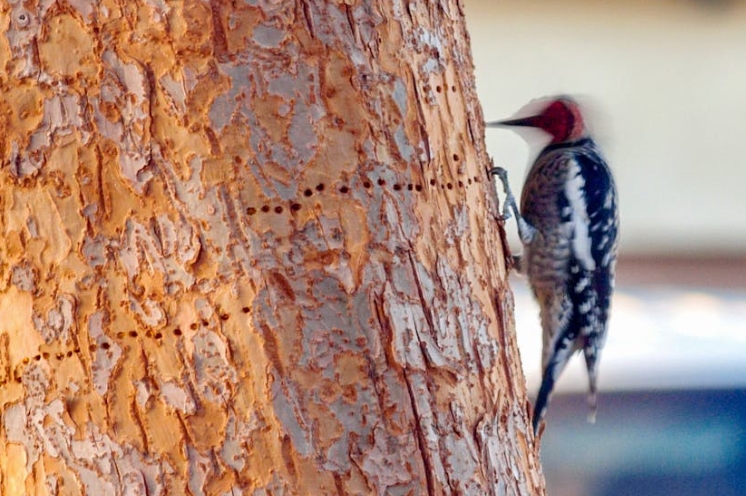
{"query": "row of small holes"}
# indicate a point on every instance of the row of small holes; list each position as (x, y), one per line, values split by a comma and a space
(440, 89)
(344, 189)
(120, 335)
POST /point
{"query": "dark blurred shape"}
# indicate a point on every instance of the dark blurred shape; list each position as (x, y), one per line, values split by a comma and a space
(681, 443)
(715, 6)
(705, 271)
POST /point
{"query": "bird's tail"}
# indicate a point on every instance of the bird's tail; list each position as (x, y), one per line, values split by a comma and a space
(542, 399)
(590, 363)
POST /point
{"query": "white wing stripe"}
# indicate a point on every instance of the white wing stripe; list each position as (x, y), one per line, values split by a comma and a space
(581, 241)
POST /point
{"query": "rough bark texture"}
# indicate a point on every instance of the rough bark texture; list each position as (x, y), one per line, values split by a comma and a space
(250, 248)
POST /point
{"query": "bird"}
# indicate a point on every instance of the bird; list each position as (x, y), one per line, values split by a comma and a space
(568, 224)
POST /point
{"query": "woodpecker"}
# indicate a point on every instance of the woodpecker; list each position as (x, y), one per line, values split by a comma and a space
(568, 224)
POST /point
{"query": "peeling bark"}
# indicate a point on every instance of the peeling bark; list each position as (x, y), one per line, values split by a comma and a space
(250, 248)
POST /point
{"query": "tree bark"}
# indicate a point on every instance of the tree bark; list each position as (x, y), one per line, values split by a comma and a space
(251, 248)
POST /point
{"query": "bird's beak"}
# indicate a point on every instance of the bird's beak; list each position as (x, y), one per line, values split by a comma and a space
(532, 121)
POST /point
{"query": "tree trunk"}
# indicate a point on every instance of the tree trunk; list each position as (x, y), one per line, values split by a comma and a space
(251, 248)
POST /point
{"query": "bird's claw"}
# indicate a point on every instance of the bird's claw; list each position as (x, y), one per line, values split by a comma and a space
(501, 173)
(510, 204)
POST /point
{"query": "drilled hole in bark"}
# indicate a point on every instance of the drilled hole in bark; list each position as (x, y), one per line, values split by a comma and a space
(418, 187)
(225, 316)
(69, 354)
(432, 182)
(105, 345)
(158, 335)
(344, 190)
(438, 89)
(397, 187)
(251, 210)
(367, 184)
(449, 186)
(460, 184)
(265, 208)
(307, 192)
(245, 309)
(455, 157)
(410, 187)
(37, 357)
(177, 332)
(133, 334)
(320, 187)
(278, 209)
(205, 323)
(295, 207)
(381, 182)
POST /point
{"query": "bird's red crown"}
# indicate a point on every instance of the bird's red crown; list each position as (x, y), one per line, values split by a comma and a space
(561, 119)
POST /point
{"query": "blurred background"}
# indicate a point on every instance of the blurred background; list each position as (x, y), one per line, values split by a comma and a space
(665, 86)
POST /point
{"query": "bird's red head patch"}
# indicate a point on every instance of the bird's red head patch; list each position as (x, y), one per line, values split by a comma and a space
(561, 119)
